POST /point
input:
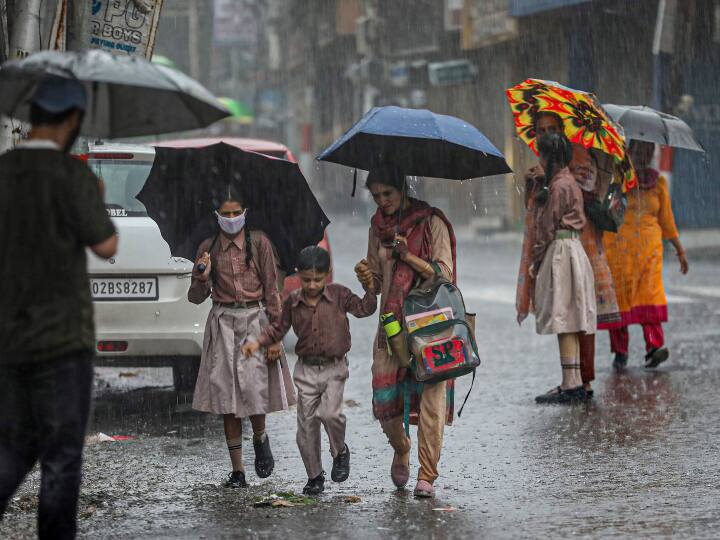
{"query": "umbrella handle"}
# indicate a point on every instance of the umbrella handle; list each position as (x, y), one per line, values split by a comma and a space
(395, 253)
(201, 267)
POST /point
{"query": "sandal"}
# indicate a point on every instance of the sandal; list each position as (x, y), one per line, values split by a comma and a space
(656, 357)
(424, 490)
(399, 472)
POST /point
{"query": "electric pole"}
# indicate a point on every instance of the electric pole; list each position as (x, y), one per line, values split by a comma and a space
(25, 39)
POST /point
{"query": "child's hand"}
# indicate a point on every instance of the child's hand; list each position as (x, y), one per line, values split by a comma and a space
(273, 352)
(250, 348)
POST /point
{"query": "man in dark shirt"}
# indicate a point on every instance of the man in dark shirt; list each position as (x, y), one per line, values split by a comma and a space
(317, 312)
(51, 210)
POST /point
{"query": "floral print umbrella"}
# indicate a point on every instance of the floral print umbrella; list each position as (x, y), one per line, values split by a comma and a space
(584, 120)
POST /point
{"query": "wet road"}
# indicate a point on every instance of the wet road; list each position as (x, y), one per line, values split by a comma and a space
(641, 461)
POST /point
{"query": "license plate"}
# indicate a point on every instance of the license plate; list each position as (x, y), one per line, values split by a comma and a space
(139, 288)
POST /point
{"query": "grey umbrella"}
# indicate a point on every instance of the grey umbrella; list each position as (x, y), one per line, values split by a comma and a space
(128, 96)
(646, 124)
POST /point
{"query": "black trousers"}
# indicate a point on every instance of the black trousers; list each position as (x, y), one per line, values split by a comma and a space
(44, 408)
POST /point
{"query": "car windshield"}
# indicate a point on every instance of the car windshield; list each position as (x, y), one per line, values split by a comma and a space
(123, 180)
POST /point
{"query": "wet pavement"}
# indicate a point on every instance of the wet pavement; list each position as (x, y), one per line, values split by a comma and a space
(641, 461)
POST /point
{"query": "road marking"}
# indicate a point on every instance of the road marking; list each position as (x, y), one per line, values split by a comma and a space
(496, 295)
(674, 299)
(506, 295)
(712, 292)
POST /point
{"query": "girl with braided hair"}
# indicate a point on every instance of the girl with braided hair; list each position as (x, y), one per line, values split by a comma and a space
(240, 275)
(564, 296)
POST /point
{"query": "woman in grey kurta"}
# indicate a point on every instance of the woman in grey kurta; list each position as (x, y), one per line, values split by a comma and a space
(241, 278)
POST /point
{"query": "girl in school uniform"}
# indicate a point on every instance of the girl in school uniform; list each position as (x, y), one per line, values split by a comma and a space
(241, 278)
(564, 297)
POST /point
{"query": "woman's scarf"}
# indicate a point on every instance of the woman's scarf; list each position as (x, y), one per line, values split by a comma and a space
(415, 226)
(647, 178)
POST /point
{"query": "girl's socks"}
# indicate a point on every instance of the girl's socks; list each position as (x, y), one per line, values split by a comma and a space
(235, 449)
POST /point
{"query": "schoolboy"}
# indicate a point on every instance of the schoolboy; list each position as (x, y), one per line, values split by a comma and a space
(317, 313)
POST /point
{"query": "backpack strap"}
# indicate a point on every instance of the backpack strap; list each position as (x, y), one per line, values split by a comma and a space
(467, 395)
(254, 247)
(212, 250)
(406, 405)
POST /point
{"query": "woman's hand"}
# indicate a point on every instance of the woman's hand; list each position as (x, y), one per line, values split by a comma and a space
(684, 265)
(204, 259)
(273, 352)
(401, 246)
(364, 275)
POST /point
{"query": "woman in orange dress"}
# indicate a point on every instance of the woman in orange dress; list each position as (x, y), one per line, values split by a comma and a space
(635, 254)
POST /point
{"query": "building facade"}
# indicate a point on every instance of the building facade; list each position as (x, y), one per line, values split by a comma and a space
(310, 68)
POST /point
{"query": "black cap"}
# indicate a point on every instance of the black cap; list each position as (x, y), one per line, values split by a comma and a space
(56, 95)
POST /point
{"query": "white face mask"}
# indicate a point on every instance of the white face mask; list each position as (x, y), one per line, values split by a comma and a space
(231, 225)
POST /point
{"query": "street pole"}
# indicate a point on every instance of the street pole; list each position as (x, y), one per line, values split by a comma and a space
(663, 46)
(4, 43)
(25, 39)
(193, 43)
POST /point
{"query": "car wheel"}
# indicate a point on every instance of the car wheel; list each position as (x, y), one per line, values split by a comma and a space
(185, 372)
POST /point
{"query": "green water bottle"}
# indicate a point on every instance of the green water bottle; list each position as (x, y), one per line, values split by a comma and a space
(397, 338)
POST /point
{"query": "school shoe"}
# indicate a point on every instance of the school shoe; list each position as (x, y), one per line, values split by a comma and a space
(341, 466)
(620, 362)
(264, 461)
(424, 490)
(236, 479)
(656, 357)
(562, 397)
(315, 486)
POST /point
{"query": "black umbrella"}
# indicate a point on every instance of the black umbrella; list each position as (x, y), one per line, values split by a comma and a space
(187, 185)
(128, 96)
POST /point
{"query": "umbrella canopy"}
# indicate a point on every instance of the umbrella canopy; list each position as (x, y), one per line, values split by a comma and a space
(239, 111)
(646, 124)
(186, 186)
(417, 142)
(584, 120)
(128, 96)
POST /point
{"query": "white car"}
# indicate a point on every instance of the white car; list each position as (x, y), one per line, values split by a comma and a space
(142, 315)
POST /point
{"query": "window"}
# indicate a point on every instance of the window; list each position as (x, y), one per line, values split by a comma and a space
(123, 180)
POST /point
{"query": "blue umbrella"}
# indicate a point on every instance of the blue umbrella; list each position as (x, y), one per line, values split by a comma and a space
(417, 142)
